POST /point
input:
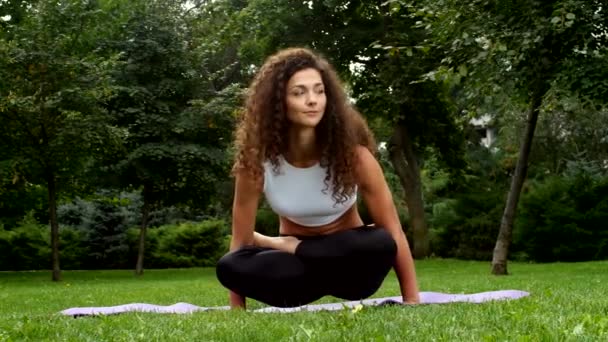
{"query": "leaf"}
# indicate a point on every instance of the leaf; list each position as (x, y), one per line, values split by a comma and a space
(570, 16)
(555, 20)
(462, 70)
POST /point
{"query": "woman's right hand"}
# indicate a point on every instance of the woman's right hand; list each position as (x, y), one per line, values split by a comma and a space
(237, 301)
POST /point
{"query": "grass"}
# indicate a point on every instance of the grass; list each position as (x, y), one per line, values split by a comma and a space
(569, 302)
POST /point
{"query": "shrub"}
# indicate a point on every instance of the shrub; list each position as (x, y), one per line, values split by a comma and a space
(189, 244)
(73, 249)
(267, 222)
(466, 227)
(564, 218)
(465, 210)
(25, 247)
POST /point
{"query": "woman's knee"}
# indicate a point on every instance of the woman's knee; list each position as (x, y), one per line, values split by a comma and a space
(383, 241)
(374, 241)
(225, 269)
(229, 267)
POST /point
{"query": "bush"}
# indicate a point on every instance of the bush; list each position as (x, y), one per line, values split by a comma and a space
(189, 244)
(564, 218)
(26, 247)
(20, 199)
(465, 207)
(267, 222)
(97, 229)
(102, 227)
(466, 227)
(73, 249)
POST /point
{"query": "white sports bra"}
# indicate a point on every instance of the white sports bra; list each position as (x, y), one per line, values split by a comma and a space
(297, 194)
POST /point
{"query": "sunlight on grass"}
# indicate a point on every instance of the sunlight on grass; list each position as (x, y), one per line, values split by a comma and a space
(568, 303)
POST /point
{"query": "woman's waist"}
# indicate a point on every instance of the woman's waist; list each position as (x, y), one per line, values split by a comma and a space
(350, 220)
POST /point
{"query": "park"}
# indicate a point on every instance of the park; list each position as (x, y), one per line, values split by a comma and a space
(120, 138)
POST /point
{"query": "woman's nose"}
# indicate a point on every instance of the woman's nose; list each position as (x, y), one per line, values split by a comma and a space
(311, 100)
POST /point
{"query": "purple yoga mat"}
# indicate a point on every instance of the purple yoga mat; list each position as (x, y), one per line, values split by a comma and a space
(185, 308)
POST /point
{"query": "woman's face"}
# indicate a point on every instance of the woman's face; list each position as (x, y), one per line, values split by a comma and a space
(305, 98)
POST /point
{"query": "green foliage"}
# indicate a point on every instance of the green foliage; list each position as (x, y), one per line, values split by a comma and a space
(26, 247)
(99, 227)
(52, 79)
(142, 96)
(75, 250)
(18, 197)
(467, 226)
(570, 129)
(563, 218)
(177, 130)
(267, 222)
(188, 244)
(465, 212)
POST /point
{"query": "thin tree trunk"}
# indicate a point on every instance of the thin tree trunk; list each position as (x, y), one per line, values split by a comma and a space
(501, 250)
(405, 163)
(139, 267)
(52, 192)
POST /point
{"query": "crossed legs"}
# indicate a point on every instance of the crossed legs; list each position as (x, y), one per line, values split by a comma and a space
(350, 264)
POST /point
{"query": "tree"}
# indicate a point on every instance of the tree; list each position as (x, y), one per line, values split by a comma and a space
(52, 78)
(522, 47)
(12, 12)
(174, 138)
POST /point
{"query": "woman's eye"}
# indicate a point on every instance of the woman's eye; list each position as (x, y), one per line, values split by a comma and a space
(321, 91)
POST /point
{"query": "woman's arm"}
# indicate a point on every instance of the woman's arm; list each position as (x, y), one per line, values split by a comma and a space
(246, 199)
(378, 199)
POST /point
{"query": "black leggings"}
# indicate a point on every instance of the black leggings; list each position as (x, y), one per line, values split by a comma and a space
(350, 264)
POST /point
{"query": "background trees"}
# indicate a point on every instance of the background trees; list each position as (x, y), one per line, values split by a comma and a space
(529, 46)
(53, 80)
(121, 113)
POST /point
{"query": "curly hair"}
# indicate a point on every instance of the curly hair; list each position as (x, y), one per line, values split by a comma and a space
(262, 132)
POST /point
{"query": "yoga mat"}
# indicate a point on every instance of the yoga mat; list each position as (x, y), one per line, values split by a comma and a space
(185, 308)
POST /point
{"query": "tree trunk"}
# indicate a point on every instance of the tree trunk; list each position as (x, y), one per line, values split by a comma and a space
(52, 192)
(139, 267)
(405, 163)
(501, 250)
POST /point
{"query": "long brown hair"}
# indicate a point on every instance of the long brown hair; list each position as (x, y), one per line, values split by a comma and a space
(262, 133)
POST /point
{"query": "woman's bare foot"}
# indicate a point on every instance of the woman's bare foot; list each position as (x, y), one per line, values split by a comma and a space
(283, 243)
(260, 240)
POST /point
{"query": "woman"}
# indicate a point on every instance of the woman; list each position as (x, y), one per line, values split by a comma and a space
(309, 152)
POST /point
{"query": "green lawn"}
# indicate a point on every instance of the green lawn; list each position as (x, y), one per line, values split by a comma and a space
(569, 302)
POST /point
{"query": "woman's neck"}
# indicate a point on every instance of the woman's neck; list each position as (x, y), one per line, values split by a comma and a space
(302, 147)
